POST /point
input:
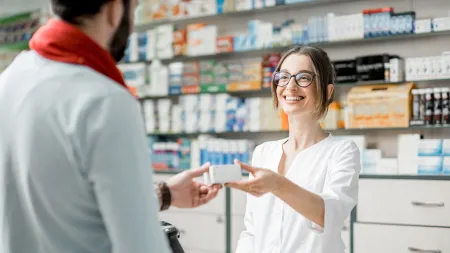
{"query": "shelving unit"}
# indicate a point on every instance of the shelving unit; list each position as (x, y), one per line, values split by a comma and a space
(234, 14)
(325, 45)
(407, 45)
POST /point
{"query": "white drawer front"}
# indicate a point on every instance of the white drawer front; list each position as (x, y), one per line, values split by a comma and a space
(199, 231)
(216, 206)
(237, 226)
(410, 202)
(371, 238)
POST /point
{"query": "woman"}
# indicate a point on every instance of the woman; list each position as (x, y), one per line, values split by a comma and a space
(302, 188)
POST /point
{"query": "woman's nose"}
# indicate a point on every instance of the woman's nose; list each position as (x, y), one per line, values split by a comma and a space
(292, 85)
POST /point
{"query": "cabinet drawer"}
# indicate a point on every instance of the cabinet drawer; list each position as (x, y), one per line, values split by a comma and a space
(409, 202)
(216, 206)
(371, 238)
(199, 231)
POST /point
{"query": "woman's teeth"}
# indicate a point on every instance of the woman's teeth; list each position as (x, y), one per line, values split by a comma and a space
(293, 98)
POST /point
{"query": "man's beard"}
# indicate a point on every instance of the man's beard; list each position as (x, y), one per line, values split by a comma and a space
(119, 41)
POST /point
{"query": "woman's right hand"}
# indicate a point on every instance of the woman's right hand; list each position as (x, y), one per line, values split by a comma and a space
(264, 180)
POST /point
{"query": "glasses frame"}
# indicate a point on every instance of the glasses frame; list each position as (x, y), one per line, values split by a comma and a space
(290, 77)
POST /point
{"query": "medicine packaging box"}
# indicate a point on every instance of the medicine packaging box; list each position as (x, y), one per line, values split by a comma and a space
(376, 106)
(430, 147)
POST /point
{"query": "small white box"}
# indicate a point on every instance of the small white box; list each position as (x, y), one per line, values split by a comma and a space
(397, 70)
(446, 147)
(221, 174)
(441, 24)
(446, 165)
(408, 147)
(423, 26)
(387, 166)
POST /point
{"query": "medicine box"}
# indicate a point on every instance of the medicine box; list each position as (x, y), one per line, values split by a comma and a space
(423, 26)
(446, 147)
(430, 147)
(446, 165)
(430, 165)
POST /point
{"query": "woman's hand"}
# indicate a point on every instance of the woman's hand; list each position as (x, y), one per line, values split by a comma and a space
(264, 181)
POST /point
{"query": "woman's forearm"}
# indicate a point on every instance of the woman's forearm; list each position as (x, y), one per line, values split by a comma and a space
(308, 204)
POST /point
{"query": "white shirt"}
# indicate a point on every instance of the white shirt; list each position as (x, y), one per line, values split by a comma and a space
(75, 174)
(330, 169)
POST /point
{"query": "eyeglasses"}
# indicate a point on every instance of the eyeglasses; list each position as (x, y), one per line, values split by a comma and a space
(303, 79)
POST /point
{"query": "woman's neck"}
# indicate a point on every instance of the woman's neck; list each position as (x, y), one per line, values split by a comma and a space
(303, 133)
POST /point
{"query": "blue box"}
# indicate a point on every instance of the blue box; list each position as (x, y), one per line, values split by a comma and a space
(446, 147)
(430, 147)
(430, 165)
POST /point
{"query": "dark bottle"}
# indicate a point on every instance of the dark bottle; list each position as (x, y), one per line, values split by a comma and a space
(445, 106)
(429, 106)
(437, 114)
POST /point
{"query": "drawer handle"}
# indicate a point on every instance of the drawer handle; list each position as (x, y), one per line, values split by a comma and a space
(417, 203)
(412, 249)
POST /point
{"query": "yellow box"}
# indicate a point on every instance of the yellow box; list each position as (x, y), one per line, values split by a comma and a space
(378, 106)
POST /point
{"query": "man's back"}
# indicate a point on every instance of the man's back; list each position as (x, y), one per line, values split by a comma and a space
(75, 175)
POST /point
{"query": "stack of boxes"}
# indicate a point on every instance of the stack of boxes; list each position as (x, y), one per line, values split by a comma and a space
(163, 116)
(245, 75)
(191, 78)
(428, 68)
(434, 157)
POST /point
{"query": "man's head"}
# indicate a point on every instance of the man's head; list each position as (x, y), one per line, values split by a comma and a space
(109, 21)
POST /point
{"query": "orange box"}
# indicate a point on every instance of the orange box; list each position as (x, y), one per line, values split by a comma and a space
(378, 106)
(190, 89)
(245, 86)
(180, 36)
(224, 44)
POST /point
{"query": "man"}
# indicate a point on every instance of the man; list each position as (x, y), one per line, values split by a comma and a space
(75, 173)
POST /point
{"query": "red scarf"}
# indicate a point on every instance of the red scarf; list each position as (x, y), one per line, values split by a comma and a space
(63, 42)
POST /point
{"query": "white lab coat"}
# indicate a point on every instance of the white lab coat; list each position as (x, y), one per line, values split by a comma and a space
(330, 169)
(75, 172)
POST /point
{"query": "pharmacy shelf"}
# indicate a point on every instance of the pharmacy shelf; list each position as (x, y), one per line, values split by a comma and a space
(14, 46)
(335, 131)
(244, 13)
(328, 44)
(405, 177)
(362, 176)
(267, 92)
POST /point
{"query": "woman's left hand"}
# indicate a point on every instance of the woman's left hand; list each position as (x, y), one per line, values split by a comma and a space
(264, 181)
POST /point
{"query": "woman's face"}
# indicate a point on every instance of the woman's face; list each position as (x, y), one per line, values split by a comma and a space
(292, 98)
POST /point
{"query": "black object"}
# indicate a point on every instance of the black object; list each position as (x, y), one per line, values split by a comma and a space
(345, 71)
(172, 235)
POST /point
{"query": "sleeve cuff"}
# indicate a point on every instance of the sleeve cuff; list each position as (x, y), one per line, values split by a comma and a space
(327, 216)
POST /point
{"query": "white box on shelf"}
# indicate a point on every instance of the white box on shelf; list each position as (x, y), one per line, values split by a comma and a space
(397, 67)
(441, 24)
(423, 25)
(446, 165)
(408, 147)
(134, 74)
(446, 147)
(387, 166)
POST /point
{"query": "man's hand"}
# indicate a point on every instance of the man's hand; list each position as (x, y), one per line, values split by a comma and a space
(188, 193)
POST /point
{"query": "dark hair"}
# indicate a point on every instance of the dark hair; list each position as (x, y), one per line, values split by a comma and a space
(325, 75)
(72, 10)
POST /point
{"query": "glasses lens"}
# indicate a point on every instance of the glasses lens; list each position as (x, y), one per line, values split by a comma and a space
(281, 78)
(304, 79)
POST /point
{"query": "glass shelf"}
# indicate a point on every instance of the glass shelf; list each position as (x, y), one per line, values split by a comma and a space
(233, 14)
(342, 130)
(260, 52)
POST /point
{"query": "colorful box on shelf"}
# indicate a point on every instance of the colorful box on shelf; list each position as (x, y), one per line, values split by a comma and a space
(221, 88)
(376, 106)
(190, 89)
